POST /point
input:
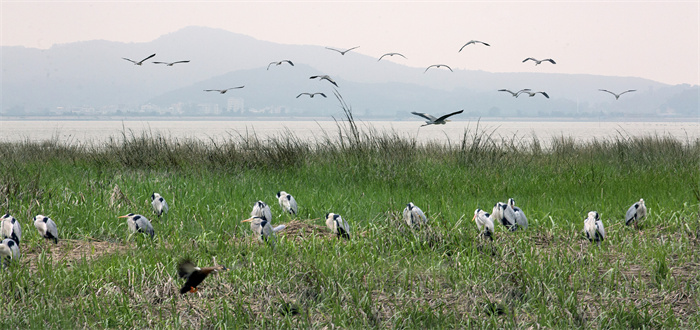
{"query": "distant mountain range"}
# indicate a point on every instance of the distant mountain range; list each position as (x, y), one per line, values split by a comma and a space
(91, 78)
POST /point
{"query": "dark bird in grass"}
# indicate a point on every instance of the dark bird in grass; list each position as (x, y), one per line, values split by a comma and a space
(390, 54)
(617, 96)
(10, 228)
(537, 62)
(337, 225)
(171, 63)
(195, 275)
(431, 120)
(473, 42)
(139, 224)
(535, 93)
(46, 227)
(515, 94)
(593, 227)
(280, 63)
(635, 213)
(223, 91)
(342, 52)
(437, 66)
(139, 62)
(311, 95)
(326, 77)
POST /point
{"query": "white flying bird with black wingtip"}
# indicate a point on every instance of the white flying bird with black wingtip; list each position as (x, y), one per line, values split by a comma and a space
(223, 91)
(139, 62)
(390, 54)
(280, 63)
(537, 62)
(324, 77)
(535, 93)
(311, 95)
(171, 63)
(432, 120)
(342, 52)
(515, 94)
(617, 96)
(437, 66)
(473, 42)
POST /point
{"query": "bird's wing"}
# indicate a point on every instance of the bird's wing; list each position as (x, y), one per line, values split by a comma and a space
(237, 87)
(447, 66)
(529, 58)
(185, 268)
(483, 43)
(349, 49)
(381, 57)
(550, 60)
(212, 90)
(160, 62)
(271, 63)
(329, 79)
(288, 61)
(545, 94)
(300, 94)
(631, 213)
(600, 228)
(334, 49)
(426, 69)
(324, 95)
(505, 90)
(607, 91)
(181, 62)
(148, 57)
(425, 115)
(628, 91)
(132, 61)
(450, 114)
(465, 45)
(278, 228)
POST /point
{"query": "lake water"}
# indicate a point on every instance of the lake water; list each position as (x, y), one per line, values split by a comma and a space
(96, 132)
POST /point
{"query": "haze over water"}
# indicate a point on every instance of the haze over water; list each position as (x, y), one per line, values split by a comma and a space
(99, 132)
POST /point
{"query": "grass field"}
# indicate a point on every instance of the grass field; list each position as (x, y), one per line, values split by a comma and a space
(387, 275)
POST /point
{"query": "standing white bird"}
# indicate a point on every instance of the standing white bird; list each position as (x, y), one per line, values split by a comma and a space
(390, 54)
(337, 225)
(280, 63)
(171, 63)
(46, 227)
(139, 224)
(515, 94)
(159, 205)
(139, 62)
(484, 223)
(520, 217)
(635, 213)
(10, 228)
(342, 52)
(537, 62)
(617, 96)
(528, 92)
(437, 66)
(9, 250)
(503, 213)
(324, 77)
(431, 120)
(287, 202)
(593, 227)
(473, 42)
(414, 216)
(261, 210)
(223, 91)
(263, 229)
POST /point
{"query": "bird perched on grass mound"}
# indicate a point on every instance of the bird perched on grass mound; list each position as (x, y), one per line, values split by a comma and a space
(195, 275)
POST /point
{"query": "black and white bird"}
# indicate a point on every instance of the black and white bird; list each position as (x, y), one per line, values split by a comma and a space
(280, 63)
(390, 54)
(9, 250)
(520, 217)
(437, 66)
(342, 52)
(515, 94)
(263, 230)
(504, 214)
(311, 95)
(261, 210)
(159, 205)
(194, 275)
(10, 228)
(139, 224)
(139, 62)
(537, 62)
(484, 223)
(337, 225)
(617, 96)
(46, 227)
(431, 120)
(287, 202)
(414, 216)
(635, 213)
(593, 227)
(324, 77)
(473, 42)
(223, 91)
(531, 94)
(171, 63)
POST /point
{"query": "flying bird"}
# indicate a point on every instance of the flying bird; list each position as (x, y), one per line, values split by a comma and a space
(139, 62)
(342, 52)
(46, 227)
(311, 95)
(414, 216)
(10, 228)
(520, 218)
(431, 120)
(223, 91)
(337, 225)
(635, 213)
(261, 210)
(528, 92)
(390, 54)
(473, 42)
(9, 250)
(484, 223)
(515, 94)
(159, 205)
(617, 96)
(263, 229)
(537, 62)
(195, 275)
(171, 63)
(593, 227)
(326, 77)
(437, 66)
(280, 63)
(139, 224)
(287, 202)
(504, 213)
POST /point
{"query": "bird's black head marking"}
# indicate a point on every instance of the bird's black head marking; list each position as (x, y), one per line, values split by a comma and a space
(336, 216)
(289, 197)
(279, 194)
(137, 217)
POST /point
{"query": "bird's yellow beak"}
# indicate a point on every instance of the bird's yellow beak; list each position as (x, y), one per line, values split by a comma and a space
(247, 220)
(124, 216)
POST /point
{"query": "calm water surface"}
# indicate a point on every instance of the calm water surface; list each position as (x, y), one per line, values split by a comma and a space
(98, 132)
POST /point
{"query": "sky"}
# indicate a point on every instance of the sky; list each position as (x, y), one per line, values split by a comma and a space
(653, 40)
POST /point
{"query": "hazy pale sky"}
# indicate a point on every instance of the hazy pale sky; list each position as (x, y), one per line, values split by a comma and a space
(654, 40)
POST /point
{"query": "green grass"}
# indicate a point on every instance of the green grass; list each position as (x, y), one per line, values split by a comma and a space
(386, 275)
